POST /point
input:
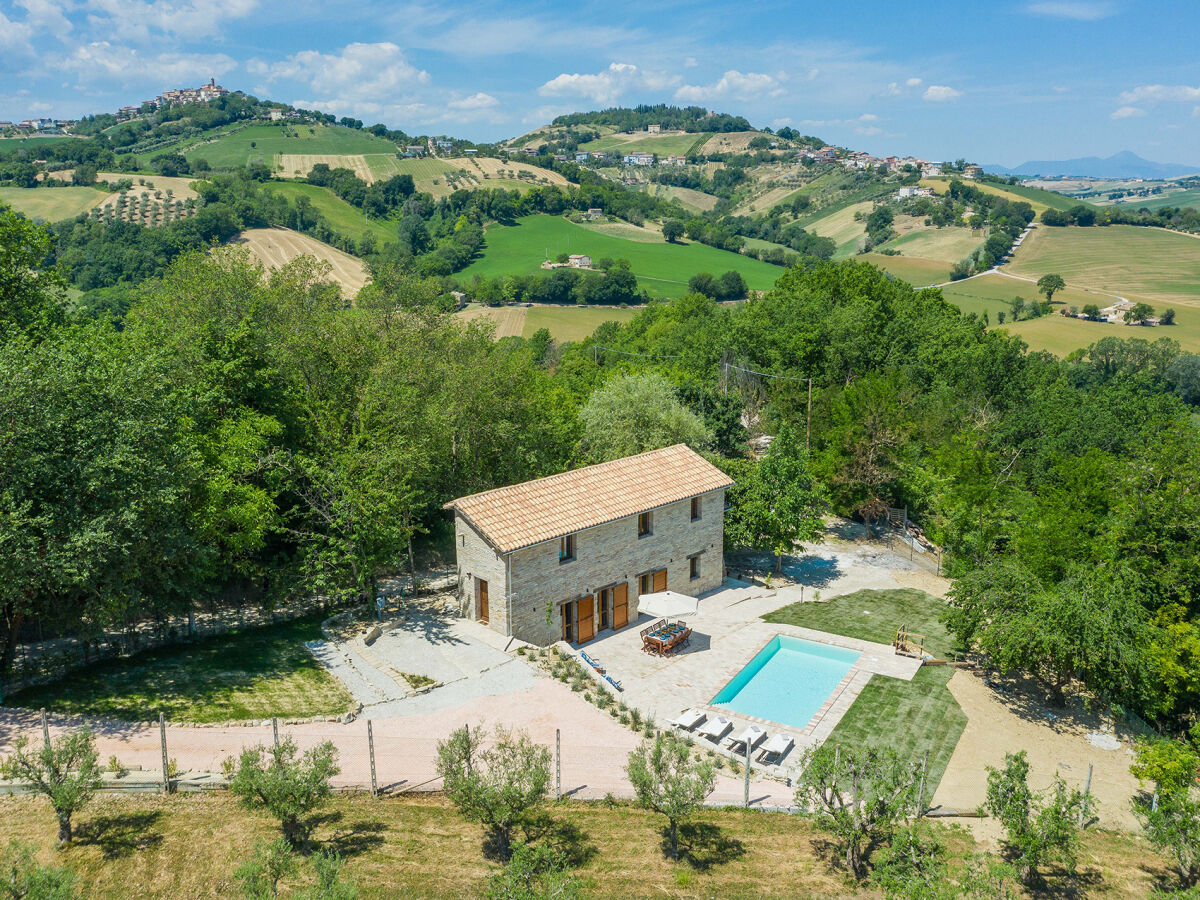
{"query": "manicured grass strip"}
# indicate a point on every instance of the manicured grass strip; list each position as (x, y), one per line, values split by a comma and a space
(873, 615)
(253, 674)
(662, 268)
(908, 716)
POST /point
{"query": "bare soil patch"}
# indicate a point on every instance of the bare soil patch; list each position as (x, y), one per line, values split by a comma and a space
(277, 246)
(298, 165)
(510, 320)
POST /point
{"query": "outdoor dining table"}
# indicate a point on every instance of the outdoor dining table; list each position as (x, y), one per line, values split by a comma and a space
(667, 637)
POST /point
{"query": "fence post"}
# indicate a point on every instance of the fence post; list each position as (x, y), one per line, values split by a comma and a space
(746, 784)
(1087, 792)
(275, 731)
(371, 752)
(45, 728)
(1154, 799)
(557, 764)
(166, 763)
(921, 789)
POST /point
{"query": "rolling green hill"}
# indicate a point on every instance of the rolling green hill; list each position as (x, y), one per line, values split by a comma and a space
(640, 141)
(261, 143)
(51, 204)
(343, 217)
(662, 269)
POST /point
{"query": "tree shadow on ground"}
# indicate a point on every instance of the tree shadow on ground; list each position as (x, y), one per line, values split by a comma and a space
(1031, 700)
(567, 838)
(121, 835)
(1058, 882)
(703, 845)
(351, 839)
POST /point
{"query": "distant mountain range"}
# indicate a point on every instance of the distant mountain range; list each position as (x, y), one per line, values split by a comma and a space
(1119, 165)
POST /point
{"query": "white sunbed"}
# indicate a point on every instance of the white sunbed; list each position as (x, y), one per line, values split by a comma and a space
(688, 719)
(749, 738)
(716, 728)
(777, 746)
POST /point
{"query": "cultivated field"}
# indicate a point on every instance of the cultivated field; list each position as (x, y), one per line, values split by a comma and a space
(667, 143)
(429, 175)
(650, 233)
(767, 200)
(32, 143)
(947, 244)
(1039, 199)
(842, 228)
(179, 187)
(267, 143)
(691, 200)
(509, 320)
(298, 165)
(730, 141)
(277, 246)
(52, 204)
(1161, 267)
(344, 218)
(662, 269)
(917, 272)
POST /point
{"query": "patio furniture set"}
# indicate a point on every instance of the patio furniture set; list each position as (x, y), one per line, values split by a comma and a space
(663, 638)
(696, 721)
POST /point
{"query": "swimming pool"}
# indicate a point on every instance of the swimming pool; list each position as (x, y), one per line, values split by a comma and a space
(787, 681)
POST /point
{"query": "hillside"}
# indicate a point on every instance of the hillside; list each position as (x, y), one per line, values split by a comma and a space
(52, 204)
(265, 144)
(1120, 165)
(662, 269)
(275, 247)
(1038, 198)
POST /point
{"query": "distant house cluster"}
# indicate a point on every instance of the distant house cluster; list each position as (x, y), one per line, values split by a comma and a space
(574, 261)
(909, 191)
(41, 126)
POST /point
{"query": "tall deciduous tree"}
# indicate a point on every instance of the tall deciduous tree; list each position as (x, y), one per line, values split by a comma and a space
(1050, 284)
(634, 413)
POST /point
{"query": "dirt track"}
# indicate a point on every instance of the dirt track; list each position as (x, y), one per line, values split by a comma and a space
(277, 246)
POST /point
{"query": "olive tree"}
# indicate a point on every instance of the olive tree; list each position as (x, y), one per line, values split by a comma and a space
(287, 784)
(499, 786)
(65, 770)
(858, 795)
(668, 780)
(1036, 830)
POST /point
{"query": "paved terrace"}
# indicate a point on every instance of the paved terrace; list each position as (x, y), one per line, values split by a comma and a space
(727, 632)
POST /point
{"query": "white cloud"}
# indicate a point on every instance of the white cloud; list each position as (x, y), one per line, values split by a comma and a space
(897, 88)
(478, 100)
(1155, 93)
(940, 93)
(1078, 10)
(359, 73)
(690, 62)
(14, 36)
(129, 65)
(46, 15)
(607, 86)
(733, 84)
(139, 19)
(1127, 112)
(869, 131)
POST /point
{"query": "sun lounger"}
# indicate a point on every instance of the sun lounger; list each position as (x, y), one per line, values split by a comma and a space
(688, 719)
(776, 747)
(716, 728)
(748, 739)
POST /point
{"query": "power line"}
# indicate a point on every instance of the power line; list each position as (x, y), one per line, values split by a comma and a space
(596, 347)
(729, 366)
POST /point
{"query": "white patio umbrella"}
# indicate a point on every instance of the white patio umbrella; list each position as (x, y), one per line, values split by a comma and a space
(667, 604)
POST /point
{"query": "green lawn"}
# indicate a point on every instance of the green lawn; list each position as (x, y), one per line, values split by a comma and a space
(572, 323)
(51, 204)
(234, 150)
(254, 674)
(910, 716)
(32, 143)
(662, 269)
(344, 218)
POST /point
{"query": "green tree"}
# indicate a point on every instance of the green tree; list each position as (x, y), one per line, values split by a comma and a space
(287, 784)
(1091, 310)
(775, 503)
(1050, 284)
(913, 866)
(22, 877)
(632, 413)
(1036, 831)
(1172, 825)
(535, 872)
(859, 795)
(667, 779)
(1138, 313)
(66, 771)
(672, 230)
(500, 786)
(32, 297)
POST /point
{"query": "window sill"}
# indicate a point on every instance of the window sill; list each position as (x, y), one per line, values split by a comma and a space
(563, 560)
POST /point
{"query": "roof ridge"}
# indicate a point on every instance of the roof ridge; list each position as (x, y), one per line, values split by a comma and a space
(563, 474)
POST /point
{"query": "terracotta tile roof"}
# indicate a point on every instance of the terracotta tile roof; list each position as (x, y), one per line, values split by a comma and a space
(525, 514)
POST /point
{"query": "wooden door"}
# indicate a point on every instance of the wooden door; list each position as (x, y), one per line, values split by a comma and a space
(660, 580)
(585, 615)
(483, 601)
(620, 611)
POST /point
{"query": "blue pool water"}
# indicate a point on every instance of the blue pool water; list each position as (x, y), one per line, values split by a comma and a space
(787, 681)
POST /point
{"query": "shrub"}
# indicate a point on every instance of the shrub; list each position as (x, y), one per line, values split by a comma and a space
(533, 873)
(24, 878)
(499, 787)
(259, 876)
(1035, 831)
(287, 785)
(66, 771)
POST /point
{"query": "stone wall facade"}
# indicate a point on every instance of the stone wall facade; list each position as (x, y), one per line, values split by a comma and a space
(606, 555)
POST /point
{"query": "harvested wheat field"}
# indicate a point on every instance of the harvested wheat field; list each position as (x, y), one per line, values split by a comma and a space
(180, 187)
(510, 320)
(277, 246)
(298, 165)
(508, 170)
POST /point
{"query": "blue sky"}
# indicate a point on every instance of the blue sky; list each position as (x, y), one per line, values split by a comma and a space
(1000, 82)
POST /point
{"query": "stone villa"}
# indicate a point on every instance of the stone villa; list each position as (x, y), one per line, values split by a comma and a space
(567, 557)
